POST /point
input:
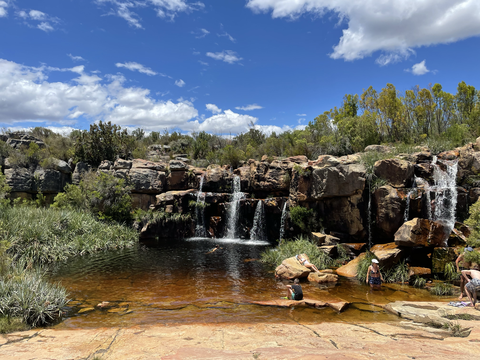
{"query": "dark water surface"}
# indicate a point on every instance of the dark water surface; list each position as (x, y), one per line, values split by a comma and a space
(181, 281)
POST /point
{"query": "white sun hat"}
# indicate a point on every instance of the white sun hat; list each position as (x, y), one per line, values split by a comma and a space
(375, 261)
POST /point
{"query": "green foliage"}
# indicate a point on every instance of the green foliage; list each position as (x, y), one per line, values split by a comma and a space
(4, 190)
(302, 171)
(450, 272)
(419, 282)
(104, 141)
(41, 236)
(144, 217)
(398, 273)
(342, 251)
(442, 289)
(286, 249)
(5, 149)
(101, 193)
(473, 222)
(363, 264)
(302, 217)
(232, 156)
(369, 159)
(11, 324)
(472, 256)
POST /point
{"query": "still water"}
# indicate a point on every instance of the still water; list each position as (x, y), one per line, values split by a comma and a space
(184, 281)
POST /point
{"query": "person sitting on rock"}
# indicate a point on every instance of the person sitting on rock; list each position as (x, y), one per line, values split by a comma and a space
(460, 259)
(374, 276)
(295, 291)
(302, 259)
(472, 285)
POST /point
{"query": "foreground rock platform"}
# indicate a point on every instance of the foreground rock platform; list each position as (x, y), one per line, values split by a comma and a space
(337, 306)
(404, 339)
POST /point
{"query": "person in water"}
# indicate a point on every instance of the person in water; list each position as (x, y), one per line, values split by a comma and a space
(460, 259)
(303, 260)
(472, 285)
(295, 291)
(374, 276)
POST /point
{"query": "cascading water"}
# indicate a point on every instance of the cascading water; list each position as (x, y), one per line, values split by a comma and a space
(234, 208)
(258, 228)
(407, 206)
(282, 221)
(200, 229)
(445, 192)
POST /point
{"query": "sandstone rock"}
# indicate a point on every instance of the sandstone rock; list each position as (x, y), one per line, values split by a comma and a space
(423, 170)
(390, 210)
(325, 160)
(322, 278)
(121, 173)
(399, 173)
(421, 232)
(449, 155)
(176, 165)
(62, 166)
(291, 269)
(330, 250)
(339, 181)
(145, 164)
(142, 201)
(422, 156)
(419, 271)
(181, 180)
(178, 200)
(343, 215)
(49, 181)
(122, 164)
(321, 239)
(350, 269)
(217, 179)
(105, 165)
(356, 247)
(147, 181)
(19, 179)
(475, 167)
(80, 169)
(299, 159)
(387, 254)
(477, 144)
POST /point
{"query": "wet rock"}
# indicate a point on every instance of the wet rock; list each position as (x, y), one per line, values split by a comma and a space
(142, 201)
(399, 173)
(84, 310)
(291, 269)
(423, 170)
(215, 228)
(449, 155)
(419, 271)
(322, 278)
(343, 216)
(387, 254)
(350, 269)
(356, 248)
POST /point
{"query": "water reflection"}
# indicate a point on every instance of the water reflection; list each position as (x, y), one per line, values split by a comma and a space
(183, 281)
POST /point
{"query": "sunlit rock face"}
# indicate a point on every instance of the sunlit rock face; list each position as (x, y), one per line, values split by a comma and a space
(398, 173)
(291, 269)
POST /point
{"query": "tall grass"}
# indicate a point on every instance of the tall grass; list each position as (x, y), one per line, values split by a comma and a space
(398, 273)
(41, 236)
(301, 245)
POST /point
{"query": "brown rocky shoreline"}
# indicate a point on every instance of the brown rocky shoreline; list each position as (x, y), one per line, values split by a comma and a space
(419, 335)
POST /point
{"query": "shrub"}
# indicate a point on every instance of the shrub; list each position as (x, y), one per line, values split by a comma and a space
(474, 222)
(450, 272)
(419, 282)
(398, 273)
(4, 190)
(302, 217)
(287, 249)
(442, 289)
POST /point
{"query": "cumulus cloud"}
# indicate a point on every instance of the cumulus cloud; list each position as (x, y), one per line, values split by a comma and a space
(75, 58)
(163, 8)
(394, 27)
(228, 56)
(249, 107)
(134, 66)
(227, 122)
(45, 26)
(3, 8)
(213, 108)
(28, 96)
(38, 19)
(269, 129)
(228, 36)
(180, 83)
(201, 33)
(419, 69)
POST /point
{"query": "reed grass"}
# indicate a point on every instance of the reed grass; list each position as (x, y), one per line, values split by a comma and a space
(419, 282)
(398, 273)
(363, 264)
(286, 249)
(442, 289)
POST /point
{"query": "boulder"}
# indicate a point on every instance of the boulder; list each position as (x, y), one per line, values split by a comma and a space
(62, 166)
(339, 181)
(399, 173)
(177, 201)
(322, 278)
(105, 165)
(49, 181)
(181, 180)
(325, 160)
(291, 269)
(147, 181)
(330, 250)
(390, 210)
(342, 215)
(217, 179)
(269, 178)
(321, 239)
(122, 164)
(299, 159)
(177, 165)
(350, 269)
(80, 168)
(422, 232)
(419, 271)
(387, 254)
(152, 165)
(19, 179)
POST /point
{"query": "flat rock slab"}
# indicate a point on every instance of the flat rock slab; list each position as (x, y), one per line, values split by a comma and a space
(337, 306)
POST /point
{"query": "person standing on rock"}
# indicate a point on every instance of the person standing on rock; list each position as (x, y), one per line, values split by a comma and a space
(472, 285)
(295, 291)
(374, 276)
(460, 259)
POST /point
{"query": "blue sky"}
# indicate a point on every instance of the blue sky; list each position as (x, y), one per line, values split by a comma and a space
(220, 65)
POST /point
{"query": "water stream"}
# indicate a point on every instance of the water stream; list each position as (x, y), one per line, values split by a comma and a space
(200, 229)
(258, 228)
(282, 220)
(234, 208)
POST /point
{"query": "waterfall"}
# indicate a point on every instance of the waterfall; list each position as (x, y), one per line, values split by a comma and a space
(282, 221)
(429, 201)
(234, 209)
(407, 206)
(445, 188)
(200, 229)
(258, 228)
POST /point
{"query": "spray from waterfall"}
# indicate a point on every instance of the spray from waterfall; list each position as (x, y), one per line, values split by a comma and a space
(200, 229)
(445, 188)
(282, 221)
(258, 228)
(234, 209)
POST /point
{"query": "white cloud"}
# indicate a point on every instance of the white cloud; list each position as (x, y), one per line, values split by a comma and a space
(37, 15)
(301, 114)
(249, 107)
(394, 27)
(163, 8)
(228, 36)
(203, 63)
(134, 66)
(28, 96)
(269, 129)
(180, 83)
(419, 69)
(213, 108)
(226, 123)
(228, 56)
(75, 58)
(3, 9)
(201, 33)
(45, 26)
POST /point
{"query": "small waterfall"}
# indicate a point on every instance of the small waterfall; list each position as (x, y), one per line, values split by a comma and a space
(200, 228)
(429, 201)
(258, 228)
(407, 206)
(282, 221)
(234, 209)
(445, 192)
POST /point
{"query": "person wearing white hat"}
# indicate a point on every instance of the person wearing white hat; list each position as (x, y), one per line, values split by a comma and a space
(374, 276)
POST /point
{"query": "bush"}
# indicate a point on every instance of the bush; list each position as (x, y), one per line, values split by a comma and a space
(398, 273)
(4, 190)
(302, 217)
(442, 289)
(287, 249)
(474, 222)
(419, 282)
